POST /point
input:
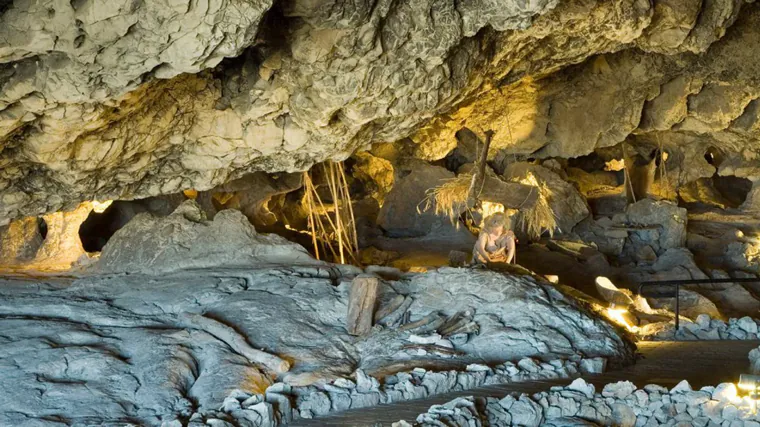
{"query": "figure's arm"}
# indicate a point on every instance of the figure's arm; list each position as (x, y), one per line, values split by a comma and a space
(480, 247)
(510, 248)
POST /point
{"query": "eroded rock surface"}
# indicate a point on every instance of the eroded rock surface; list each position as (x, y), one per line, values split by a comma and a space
(187, 240)
(148, 349)
(118, 102)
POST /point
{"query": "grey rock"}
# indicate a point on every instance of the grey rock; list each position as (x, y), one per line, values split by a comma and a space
(526, 412)
(748, 325)
(583, 387)
(595, 365)
(681, 387)
(402, 213)
(670, 217)
(619, 390)
(158, 245)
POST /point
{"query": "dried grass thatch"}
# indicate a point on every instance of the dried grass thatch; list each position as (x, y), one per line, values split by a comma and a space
(450, 198)
(540, 218)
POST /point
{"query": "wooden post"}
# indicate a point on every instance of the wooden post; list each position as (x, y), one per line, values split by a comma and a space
(361, 304)
(478, 179)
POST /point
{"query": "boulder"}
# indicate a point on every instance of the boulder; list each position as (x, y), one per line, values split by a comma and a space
(20, 240)
(612, 294)
(667, 218)
(743, 256)
(401, 214)
(608, 241)
(677, 264)
(62, 246)
(754, 361)
(251, 195)
(518, 316)
(186, 240)
(732, 299)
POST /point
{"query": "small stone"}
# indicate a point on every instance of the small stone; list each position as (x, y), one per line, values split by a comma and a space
(281, 388)
(597, 365)
(709, 334)
(557, 363)
(476, 367)
(747, 324)
(528, 364)
(703, 320)
(253, 400)
(218, 423)
(230, 404)
(618, 390)
(654, 388)
(365, 383)
(694, 398)
(344, 383)
(623, 415)
(580, 385)
(526, 412)
(642, 397)
(724, 392)
(681, 387)
(730, 412)
(429, 339)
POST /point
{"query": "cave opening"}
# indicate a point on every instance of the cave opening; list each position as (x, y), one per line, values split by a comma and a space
(42, 227)
(714, 156)
(734, 189)
(101, 224)
(99, 227)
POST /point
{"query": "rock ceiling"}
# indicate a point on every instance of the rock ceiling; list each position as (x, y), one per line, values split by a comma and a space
(125, 99)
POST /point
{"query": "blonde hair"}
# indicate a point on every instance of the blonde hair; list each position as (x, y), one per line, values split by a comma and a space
(498, 219)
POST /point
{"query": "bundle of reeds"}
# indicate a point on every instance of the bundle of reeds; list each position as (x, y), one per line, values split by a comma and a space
(540, 218)
(332, 227)
(449, 199)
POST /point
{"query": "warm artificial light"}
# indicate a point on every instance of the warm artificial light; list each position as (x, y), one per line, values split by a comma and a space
(617, 315)
(100, 207)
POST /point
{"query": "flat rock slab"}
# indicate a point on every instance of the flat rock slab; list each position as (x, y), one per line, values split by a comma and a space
(147, 349)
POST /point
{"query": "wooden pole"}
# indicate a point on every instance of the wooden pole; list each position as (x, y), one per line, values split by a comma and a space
(361, 304)
(311, 207)
(478, 179)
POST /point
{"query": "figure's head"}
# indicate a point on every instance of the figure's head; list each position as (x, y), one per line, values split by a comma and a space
(495, 223)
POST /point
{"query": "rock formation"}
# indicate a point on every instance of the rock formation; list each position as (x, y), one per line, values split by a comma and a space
(186, 240)
(192, 311)
(102, 102)
(149, 349)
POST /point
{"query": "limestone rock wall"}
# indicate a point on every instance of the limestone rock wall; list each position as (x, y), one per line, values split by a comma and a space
(134, 99)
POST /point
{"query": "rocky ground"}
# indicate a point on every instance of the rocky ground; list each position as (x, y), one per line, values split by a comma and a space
(622, 403)
(160, 343)
(154, 153)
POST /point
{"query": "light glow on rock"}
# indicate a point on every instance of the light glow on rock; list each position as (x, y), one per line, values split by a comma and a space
(100, 207)
(617, 315)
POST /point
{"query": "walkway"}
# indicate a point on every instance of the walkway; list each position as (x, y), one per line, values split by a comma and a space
(666, 363)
